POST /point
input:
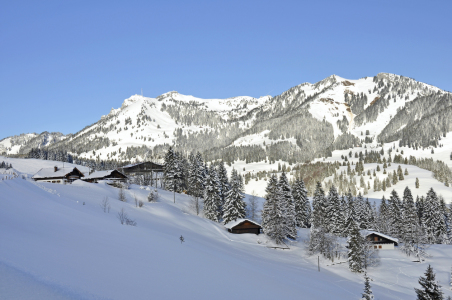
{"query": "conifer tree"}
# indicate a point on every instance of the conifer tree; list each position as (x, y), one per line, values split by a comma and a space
(302, 205)
(383, 217)
(355, 245)
(333, 211)
(430, 290)
(367, 295)
(318, 206)
(395, 215)
(272, 215)
(224, 182)
(234, 207)
(410, 220)
(287, 206)
(212, 198)
(433, 219)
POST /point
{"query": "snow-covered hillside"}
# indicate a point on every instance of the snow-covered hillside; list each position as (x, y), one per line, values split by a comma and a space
(60, 244)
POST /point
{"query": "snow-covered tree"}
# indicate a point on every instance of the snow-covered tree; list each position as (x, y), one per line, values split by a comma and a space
(355, 245)
(333, 212)
(272, 215)
(234, 207)
(287, 206)
(367, 295)
(302, 205)
(212, 196)
(430, 288)
(318, 206)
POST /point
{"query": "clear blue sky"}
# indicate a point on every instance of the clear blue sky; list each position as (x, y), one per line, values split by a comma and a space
(63, 64)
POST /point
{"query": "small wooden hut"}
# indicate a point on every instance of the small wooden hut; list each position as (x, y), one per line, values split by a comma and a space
(244, 226)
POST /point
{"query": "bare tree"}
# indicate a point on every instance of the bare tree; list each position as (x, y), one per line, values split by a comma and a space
(105, 205)
(122, 216)
(252, 207)
(122, 195)
(135, 199)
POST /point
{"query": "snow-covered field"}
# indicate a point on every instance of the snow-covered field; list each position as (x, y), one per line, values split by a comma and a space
(57, 243)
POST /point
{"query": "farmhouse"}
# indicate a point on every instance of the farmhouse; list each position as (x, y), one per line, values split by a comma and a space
(57, 175)
(381, 241)
(110, 175)
(243, 226)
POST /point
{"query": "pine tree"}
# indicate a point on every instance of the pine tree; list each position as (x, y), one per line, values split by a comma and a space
(410, 220)
(224, 182)
(287, 206)
(272, 215)
(395, 214)
(212, 198)
(417, 183)
(355, 245)
(168, 169)
(433, 220)
(234, 207)
(367, 295)
(302, 205)
(318, 206)
(333, 212)
(430, 290)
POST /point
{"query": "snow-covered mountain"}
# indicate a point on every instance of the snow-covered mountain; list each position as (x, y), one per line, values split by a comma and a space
(22, 144)
(305, 122)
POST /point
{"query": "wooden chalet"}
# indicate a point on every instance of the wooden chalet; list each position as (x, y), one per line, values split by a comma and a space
(142, 168)
(243, 226)
(381, 241)
(110, 175)
(57, 175)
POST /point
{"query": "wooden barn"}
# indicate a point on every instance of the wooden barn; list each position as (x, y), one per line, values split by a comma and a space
(110, 175)
(381, 241)
(57, 175)
(243, 226)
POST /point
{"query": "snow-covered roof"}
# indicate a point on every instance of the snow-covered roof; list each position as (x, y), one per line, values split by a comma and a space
(230, 225)
(51, 173)
(98, 174)
(369, 232)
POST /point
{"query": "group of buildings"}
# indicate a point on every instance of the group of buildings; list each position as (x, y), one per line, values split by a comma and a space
(68, 175)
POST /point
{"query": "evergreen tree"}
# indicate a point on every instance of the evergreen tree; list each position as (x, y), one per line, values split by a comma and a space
(212, 198)
(272, 215)
(333, 212)
(355, 245)
(302, 205)
(433, 219)
(169, 170)
(410, 220)
(367, 295)
(224, 182)
(430, 290)
(287, 206)
(234, 207)
(395, 215)
(318, 206)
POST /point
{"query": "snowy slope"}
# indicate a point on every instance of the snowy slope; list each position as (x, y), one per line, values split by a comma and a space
(63, 246)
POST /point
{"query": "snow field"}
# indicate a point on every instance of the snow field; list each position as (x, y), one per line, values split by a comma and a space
(64, 246)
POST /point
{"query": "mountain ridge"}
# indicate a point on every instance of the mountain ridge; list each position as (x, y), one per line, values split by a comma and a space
(307, 121)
